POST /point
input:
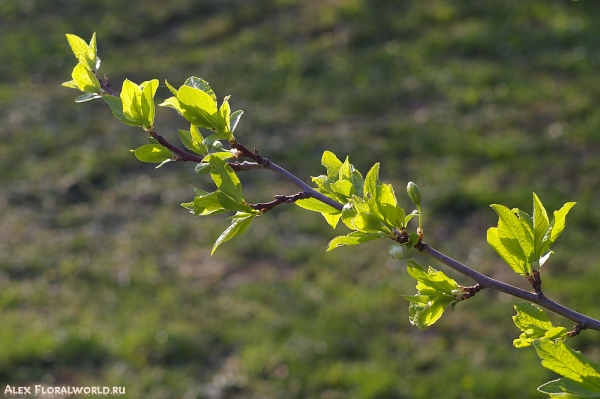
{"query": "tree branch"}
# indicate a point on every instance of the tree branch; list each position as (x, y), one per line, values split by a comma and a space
(267, 164)
(583, 321)
(182, 155)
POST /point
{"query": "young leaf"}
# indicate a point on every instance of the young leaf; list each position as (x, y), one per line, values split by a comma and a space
(87, 97)
(354, 238)
(201, 84)
(152, 153)
(197, 107)
(581, 375)
(435, 291)
(131, 95)
(217, 202)
(331, 215)
(509, 250)
(85, 54)
(234, 119)
(540, 226)
(511, 240)
(147, 100)
(224, 121)
(84, 80)
(557, 225)
(239, 223)
(534, 324)
(510, 226)
(192, 140)
(226, 179)
(332, 164)
(565, 388)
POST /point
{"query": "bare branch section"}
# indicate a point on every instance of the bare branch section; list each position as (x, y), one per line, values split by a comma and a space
(583, 321)
(267, 164)
(280, 199)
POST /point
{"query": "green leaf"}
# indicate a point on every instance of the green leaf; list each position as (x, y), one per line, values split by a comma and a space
(435, 291)
(332, 164)
(540, 225)
(239, 223)
(511, 240)
(356, 215)
(171, 88)
(353, 238)
(343, 187)
(371, 184)
(152, 153)
(565, 388)
(217, 202)
(131, 95)
(197, 107)
(84, 80)
(557, 225)
(331, 215)
(201, 84)
(226, 179)
(85, 54)
(116, 105)
(234, 119)
(87, 97)
(192, 140)
(581, 375)
(534, 324)
(224, 121)
(147, 100)
(509, 250)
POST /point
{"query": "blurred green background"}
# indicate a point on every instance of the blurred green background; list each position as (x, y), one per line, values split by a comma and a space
(106, 281)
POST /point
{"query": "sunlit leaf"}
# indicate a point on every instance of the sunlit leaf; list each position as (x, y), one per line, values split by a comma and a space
(581, 375)
(353, 238)
(234, 119)
(332, 164)
(131, 96)
(534, 324)
(192, 140)
(435, 291)
(226, 179)
(201, 84)
(85, 54)
(331, 215)
(239, 223)
(152, 153)
(84, 80)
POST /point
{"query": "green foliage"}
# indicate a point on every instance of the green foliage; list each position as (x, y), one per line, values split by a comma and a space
(197, 103)
(435, 291)
(522, 241)
(581, 376)
(370, 209)
(192, 140)
(534, 324)
(152, 153)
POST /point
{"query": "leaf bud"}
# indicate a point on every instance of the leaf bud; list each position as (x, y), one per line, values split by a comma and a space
(413, 193)
(217, 145)
(202, 168)
(396, 251)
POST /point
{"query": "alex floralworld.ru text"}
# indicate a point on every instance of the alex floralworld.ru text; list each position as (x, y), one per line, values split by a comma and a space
(44, 390)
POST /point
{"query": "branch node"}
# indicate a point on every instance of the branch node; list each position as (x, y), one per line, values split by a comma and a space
(577, 330)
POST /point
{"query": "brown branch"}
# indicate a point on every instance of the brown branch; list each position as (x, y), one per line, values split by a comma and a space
(181, 154)
(585, 322)
(280, 199)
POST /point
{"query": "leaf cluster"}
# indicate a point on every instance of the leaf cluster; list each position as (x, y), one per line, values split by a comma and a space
(524, 241)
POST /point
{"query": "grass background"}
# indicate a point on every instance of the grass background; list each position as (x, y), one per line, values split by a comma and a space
(106, 281)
